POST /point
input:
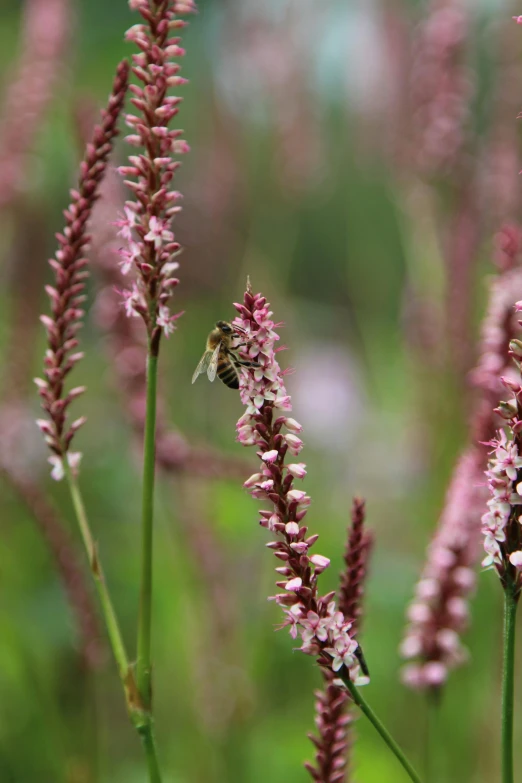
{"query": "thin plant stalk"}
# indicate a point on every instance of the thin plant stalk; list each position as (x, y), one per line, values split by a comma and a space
(508, 681)
(431, 761)
(149, 743)
(140, 717)
(379, 727)
(143, 666)
(111, 621)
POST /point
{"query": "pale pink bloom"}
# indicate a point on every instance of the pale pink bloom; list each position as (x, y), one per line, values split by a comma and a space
(131, 300)
(297, 494)
(126, 223)
(58, 472)
(320, 561)
(166, 320)
(293, 619)
(292, 529)
(515, 559)
(507, 459)
(342, 652)
(158, 232)
(293, 425)
(435, 673)
(294, 585)
(297, 469)
(294, 443)
(270, 456)
(128, 256)
(314, 626)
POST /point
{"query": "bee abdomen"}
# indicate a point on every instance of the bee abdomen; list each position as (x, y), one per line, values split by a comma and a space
(228, 373)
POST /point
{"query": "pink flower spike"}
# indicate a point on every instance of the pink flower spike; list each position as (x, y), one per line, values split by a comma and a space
(323, 628)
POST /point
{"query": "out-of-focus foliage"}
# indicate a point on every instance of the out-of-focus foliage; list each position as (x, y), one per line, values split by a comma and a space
(301, 176)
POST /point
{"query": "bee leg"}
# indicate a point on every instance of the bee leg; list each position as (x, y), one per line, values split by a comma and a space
(247, 364)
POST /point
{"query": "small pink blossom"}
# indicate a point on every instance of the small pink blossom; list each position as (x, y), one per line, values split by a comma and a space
(320, 561)
(297, 494)
(298, 470)
(166, 320)
(58, 471)
(270, 456)
(126, 223)
(128, 257)
(342, 652)
(294, 443)
(515, 559)
(314, 626)
(294, 585)
(158, 232)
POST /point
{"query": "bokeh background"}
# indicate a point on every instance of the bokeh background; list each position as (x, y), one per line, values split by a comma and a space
(361, 191)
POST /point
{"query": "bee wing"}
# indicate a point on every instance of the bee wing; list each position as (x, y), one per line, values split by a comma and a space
(203, 364)
(212, 367)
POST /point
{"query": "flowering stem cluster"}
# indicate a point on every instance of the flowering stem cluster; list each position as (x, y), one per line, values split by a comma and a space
(146, 225)
(502, 530)
(334, 716)
(151, 250)
(323, 630)
(66, 295)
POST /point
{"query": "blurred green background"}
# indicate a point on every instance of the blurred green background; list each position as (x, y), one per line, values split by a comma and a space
(303, 175)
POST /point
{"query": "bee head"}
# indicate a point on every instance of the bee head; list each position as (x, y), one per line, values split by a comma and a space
(224, 327)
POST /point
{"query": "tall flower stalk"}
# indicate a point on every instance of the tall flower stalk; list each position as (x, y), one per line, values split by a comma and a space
(150, 245)
(62, 326)
(315, 619)
(502, 530)
(334, 716)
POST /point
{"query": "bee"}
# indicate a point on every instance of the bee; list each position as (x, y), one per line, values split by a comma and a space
(220, 356)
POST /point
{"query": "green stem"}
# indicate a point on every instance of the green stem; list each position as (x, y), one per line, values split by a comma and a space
(149, 743)
(111, 621)
(508, 682)
(432, 756)
(143, 665)
(374, 720)
(139, 715)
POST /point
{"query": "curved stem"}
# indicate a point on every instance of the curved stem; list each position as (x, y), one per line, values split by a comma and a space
(381, 729)
(508, 682)
(143, 665)
(111, 621)
(140, 717)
